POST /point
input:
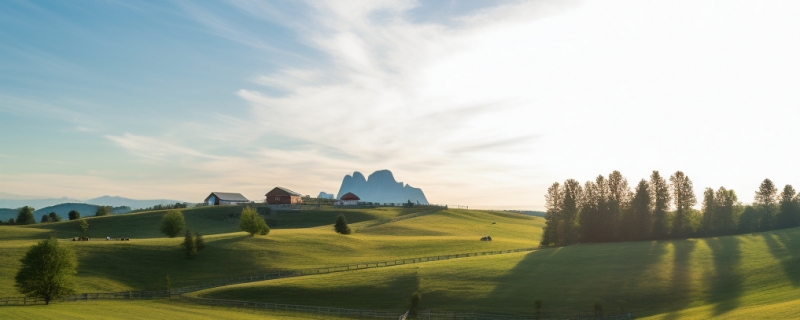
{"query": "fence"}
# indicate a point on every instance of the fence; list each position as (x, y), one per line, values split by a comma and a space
(342, 268)
(146, 295)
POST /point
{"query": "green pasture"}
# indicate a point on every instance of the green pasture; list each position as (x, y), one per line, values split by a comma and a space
(144, 309)
(143, 263)
(749, 276)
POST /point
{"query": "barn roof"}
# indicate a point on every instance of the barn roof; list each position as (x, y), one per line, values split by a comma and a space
(290, 192)
(350, 196)
(228, 196)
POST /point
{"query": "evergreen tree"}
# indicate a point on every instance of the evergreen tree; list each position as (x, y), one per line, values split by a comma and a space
(641, 213)
(189, 244)
(661, 199)
(750, 220)
(603, 228)
(789, 214)
(709, 212)
(25, 216)
(553, 204)
(589, 213)
(573, 196)
(341, 226)
(766, 202)
(683, 195)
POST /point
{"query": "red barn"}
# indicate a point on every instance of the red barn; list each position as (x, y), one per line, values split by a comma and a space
(283, 196)
(349, 199)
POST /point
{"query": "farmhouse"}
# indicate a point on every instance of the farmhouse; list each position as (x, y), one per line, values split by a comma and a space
(283, 196)
(218, 198)
(349, 199)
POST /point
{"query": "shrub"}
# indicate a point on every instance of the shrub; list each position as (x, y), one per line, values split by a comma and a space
(74, 215)
(252, 223)
(172, 223)
(341, 225)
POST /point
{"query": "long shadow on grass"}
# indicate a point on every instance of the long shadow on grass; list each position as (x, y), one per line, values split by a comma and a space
(783, 246)
(681, 277)
(569, 281)
(725, 285)
(144, 267)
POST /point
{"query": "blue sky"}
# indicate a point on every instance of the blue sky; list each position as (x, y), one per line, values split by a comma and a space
(478, 103)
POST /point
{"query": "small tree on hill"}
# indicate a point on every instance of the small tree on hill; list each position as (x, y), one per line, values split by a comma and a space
(47, 271)
(74, 215)
(189, 244)
(25, 216)
(84, 227)
(252, 223)
(198, 240)
(341, 225)
(172, 223)
(45, 218)
(54, 217)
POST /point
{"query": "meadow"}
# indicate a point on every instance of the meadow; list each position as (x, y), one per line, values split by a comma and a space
(747, 276)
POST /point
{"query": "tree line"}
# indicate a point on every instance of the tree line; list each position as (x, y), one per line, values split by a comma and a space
(607, 210)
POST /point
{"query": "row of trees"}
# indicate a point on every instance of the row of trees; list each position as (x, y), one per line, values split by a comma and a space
(606, 209)
(25, 216)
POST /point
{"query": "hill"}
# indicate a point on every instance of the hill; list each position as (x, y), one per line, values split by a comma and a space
(35, 203)
(134, 204)
(86, 210)
(380, 187)
(728, 277)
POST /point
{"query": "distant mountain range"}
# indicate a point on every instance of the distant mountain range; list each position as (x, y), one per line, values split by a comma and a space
(11, 201)
(325, 195)
(380, 187)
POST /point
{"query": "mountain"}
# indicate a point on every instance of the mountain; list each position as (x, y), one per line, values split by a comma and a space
(16, 202)
(86, 210)
(125, 202)
(380, 187)
(325, 195)
(6, 214)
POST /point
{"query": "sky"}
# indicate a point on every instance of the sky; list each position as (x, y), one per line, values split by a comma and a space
(479, 103)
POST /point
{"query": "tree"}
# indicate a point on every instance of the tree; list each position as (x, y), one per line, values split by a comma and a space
(25, 216)
(750, 220)
(725, 216)
(661, 199)
(683, 195)
(198, 240)
(45, 218)
(766, 202)
(553, 203)
(74, 215)
(413, 307)
(789, 213)
(589, 212)
(54, 217)
(573, 196)
(709, 212)
(103, 211)
(251, 222)
(641, 212)
(172, 223)
(47, 271)
(189, 244)
(618, 200)
(341, 225)
(84, 227)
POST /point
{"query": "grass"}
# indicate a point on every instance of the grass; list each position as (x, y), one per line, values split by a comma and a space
(142, 264)
(144, 309)
(749, 276)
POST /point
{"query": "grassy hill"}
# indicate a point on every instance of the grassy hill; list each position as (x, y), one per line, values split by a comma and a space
(750, 276)
(143, 263)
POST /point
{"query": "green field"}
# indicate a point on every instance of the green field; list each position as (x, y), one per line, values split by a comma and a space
(744, 277)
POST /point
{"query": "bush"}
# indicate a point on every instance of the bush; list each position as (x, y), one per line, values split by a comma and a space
(341, 226)
(252, 223)
(74, 215)
(172, 223)
(47, 270)
(103, 211)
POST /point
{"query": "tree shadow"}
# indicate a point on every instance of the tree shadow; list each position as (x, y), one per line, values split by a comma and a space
(783, 245)
(725, 284)
(568, 288)
(681, 277)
